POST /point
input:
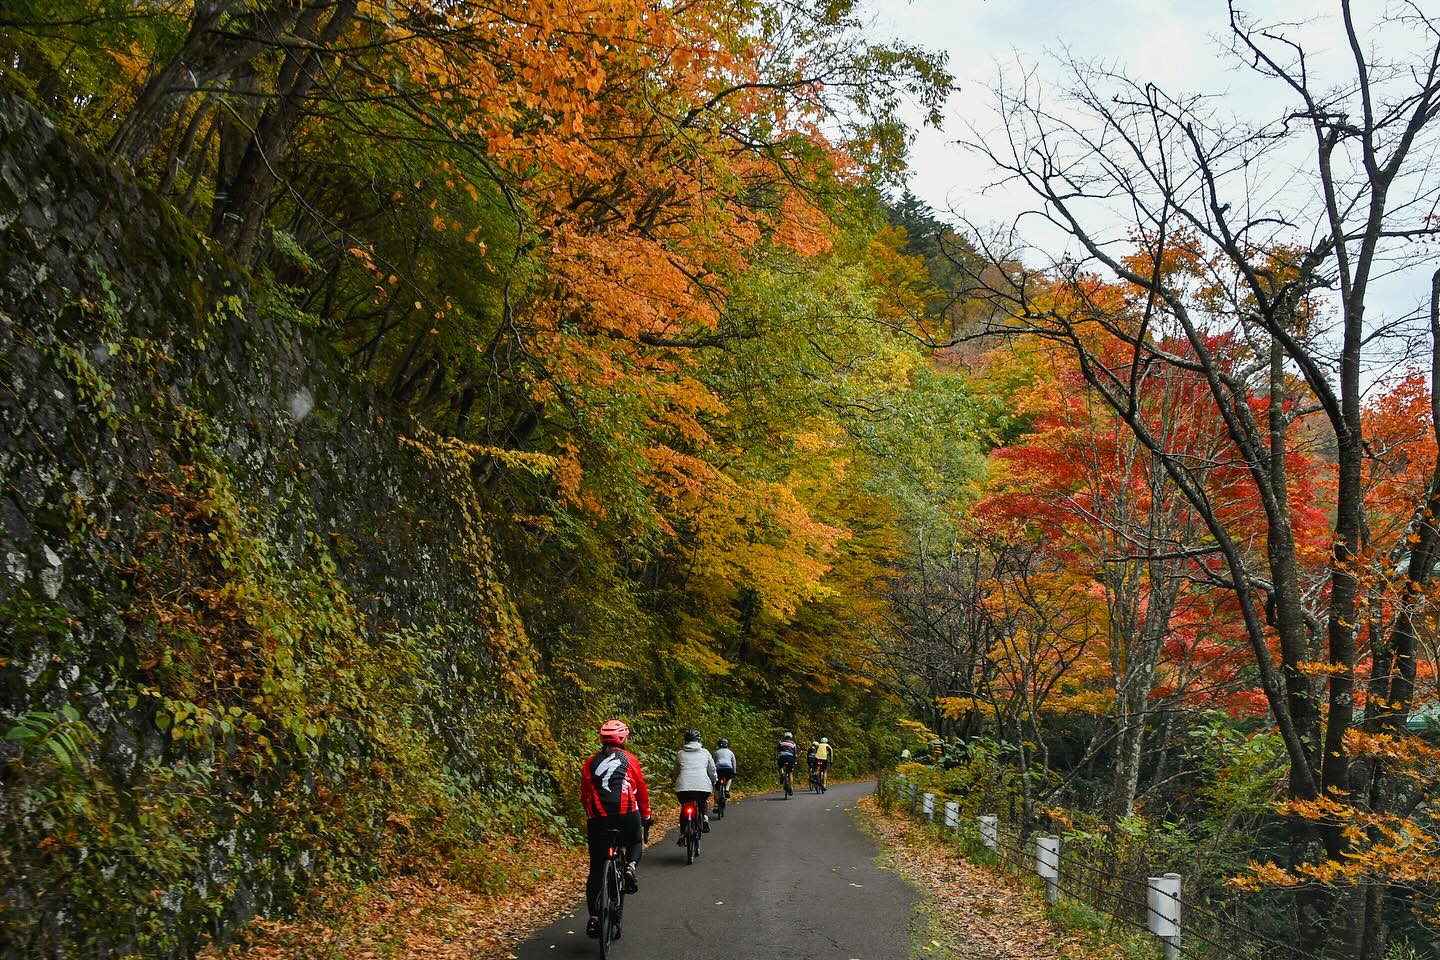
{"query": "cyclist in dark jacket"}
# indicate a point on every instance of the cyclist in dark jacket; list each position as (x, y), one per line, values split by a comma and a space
(615, 797)
(785, 752)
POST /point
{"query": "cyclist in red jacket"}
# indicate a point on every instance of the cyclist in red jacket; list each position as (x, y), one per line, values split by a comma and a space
(615, 797)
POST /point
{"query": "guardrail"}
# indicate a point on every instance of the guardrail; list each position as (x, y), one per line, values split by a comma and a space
(1156, 905)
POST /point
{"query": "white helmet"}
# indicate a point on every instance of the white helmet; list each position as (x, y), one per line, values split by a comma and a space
(824, 739)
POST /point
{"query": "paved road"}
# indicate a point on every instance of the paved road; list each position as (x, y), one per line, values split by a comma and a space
(776, 880)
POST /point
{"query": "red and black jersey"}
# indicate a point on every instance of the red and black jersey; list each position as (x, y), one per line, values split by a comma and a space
(612, 783)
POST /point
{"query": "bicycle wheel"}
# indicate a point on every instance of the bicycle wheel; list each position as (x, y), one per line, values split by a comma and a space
(608, 908)
(720, 801)
(692, 843)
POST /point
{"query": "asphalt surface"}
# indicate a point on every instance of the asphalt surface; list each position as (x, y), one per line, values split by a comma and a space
(776, 879)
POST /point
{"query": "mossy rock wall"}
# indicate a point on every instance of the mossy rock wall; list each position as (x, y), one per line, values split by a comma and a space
(249, 630)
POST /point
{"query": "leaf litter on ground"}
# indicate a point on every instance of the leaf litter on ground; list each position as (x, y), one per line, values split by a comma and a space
(974, 912)
(412, 917)
(428, 918)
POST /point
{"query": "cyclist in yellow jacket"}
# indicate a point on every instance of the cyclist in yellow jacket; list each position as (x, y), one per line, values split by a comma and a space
(823, 754)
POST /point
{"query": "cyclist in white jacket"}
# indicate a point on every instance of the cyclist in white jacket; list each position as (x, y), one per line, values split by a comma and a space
(696, 776)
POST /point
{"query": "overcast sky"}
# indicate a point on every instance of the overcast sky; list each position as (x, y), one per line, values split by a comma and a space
(1175, 44)
(1179, 45)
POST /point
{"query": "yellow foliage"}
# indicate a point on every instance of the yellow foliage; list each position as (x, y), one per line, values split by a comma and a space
(695, 655)
(915, 729)
(1266, 874)
(602, 663)
(1322, 668)
(956, 707)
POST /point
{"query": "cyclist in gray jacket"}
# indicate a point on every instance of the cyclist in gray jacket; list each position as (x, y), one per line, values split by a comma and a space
(725, 770)
(725, 764)
(696, 776)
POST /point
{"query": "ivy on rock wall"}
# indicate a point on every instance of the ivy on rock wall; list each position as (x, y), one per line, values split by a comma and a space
(242, 644)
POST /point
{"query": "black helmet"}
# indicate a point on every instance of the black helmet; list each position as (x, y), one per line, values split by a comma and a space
(692, 736)
(724, 741)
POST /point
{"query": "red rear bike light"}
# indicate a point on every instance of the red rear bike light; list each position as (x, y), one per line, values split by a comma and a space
(690, 809)
(612, 851)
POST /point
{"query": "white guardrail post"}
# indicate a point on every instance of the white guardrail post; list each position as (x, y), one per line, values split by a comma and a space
(952, 815)
(1047, 865)
(989, 830)
(927, 806)
(1162, 897)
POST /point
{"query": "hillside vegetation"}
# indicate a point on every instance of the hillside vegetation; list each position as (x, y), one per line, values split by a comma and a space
(393, 391)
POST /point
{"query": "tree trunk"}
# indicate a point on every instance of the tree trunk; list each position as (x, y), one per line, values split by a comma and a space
(248, 193)
(205, 59)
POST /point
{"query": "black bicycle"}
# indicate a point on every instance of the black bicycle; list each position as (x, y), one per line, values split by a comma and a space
(612, 893)
(690, 829)
(787, 780)
(722, 793)
(815, 785)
